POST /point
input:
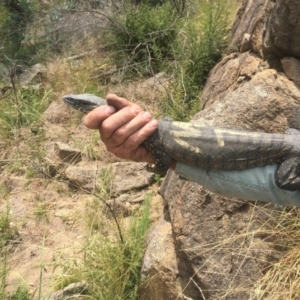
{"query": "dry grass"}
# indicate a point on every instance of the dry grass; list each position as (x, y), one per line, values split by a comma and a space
(282, 280)
(272, 245)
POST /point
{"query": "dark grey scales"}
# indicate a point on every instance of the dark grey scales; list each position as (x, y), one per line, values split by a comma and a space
(210, 147)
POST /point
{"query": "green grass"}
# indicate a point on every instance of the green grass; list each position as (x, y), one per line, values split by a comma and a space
(200, 44)
(6, 234)
(186, 44)
(21, 293)
(21, 128)
(112, 268)
(41, 212)
(142, 36)
(23, 108)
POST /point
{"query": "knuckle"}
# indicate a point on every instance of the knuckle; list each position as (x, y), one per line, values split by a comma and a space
(132, 141)
(119, 134)
(106, 127)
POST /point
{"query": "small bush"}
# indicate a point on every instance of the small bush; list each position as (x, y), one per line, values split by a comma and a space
(15, 17)
(186, 43)
(22, 293)
(143, 36)
(200, 45)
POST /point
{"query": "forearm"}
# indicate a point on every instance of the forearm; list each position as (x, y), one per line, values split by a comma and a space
(251, 184)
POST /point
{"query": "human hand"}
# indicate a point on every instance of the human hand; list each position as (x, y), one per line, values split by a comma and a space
(123, 126)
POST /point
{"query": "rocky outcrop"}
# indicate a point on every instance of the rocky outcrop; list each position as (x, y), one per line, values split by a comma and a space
(161, 255)
(283, 29)
(250, 26)
(267, 28)
(220, 243)
(291, 68)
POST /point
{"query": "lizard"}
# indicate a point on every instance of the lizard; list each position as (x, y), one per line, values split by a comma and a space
(214, 148)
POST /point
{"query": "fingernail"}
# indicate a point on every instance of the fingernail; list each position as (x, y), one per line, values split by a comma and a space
(110, 110)
(147, 115)
(135, 110)
(153, 123)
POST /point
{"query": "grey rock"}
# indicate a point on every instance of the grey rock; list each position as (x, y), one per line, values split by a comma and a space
(32, 76)
(131, 176)
(217, 240)
(57, 112)
(73, 290)
(161, 280)
(232, 71)
(67, 154)
(119, 178)
(158, 81)
(291, 67)
(251, 19)
(61, 152)
(245, 44)
(119, 208)
(272, 25)
(283, 29)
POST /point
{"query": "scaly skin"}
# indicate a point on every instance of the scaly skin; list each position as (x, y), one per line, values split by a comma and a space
(210, 147)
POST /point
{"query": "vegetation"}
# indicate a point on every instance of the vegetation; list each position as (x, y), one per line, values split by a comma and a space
(110, 267)
(143, 38)
(23, 108)
(6, 236)
(281, 280)
(182, 39)
(185, 42)
(15, 16)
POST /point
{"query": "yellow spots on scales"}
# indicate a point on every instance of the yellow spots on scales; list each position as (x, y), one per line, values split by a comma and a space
(178, 135)
(183, 125)
(186, 145)
(220, 131)
(220, 140)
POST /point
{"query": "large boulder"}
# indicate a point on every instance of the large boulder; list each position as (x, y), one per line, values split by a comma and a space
(283, 29)
(219, 237)
(267, 28)
(250, 25)
(222, 243)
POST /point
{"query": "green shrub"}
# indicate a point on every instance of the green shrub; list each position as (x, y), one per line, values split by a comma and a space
(200, 45)
(22, 293)
(185, 40)
(15, 17)
(207, 46)
(143, 36)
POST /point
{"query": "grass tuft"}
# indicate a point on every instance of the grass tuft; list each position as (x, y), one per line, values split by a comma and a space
(112, 268)
(23, 108)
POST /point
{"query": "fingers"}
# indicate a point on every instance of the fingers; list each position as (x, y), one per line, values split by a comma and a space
(118, 102)
(94, 119)
(123, 127)
(123, 123)
(131, 147)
